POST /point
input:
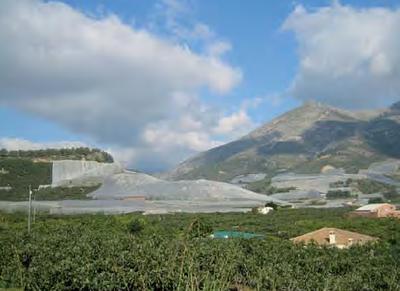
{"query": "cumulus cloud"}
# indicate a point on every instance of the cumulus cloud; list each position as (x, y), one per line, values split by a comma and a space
(237, 124)
(105, 79)
(176, 16)
(15, 144)
(349, 57)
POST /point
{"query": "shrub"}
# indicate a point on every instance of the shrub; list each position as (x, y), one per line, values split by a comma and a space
(136, 226)
(335, 194)
(272, 205)
(375, 200)
(199, 228)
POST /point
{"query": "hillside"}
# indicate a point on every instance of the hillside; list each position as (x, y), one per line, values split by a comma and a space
(303, 140)
(19, 169)
(48, 155)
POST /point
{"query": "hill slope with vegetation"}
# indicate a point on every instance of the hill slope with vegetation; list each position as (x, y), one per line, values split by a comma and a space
(48, 155)
(19, 169)
(303, 140)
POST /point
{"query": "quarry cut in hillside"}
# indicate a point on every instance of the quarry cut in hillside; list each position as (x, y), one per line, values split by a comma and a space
(82, 173)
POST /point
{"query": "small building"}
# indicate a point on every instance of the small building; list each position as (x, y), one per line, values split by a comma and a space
(335, 237)
(376, 210)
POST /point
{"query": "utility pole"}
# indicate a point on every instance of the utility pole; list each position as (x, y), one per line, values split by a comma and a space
(29, 209)
(34, 207)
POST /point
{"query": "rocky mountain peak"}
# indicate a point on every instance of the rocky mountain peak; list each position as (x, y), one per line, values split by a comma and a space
(304, 139)
(294, 123)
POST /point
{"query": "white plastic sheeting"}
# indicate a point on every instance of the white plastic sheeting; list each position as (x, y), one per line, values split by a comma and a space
(137, 184)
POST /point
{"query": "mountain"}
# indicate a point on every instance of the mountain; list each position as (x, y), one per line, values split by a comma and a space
(303, 140)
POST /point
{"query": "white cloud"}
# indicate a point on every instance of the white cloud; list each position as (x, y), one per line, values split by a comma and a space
(165, 139)
(104, 79)
(176, 16)
(15, 144)
(349, 57)
(236, 124)
(218, 48)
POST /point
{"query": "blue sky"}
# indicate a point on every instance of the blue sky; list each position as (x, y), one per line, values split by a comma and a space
(261, 65)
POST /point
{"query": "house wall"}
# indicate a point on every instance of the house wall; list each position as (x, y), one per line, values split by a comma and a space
(385, 210)
(395, 214)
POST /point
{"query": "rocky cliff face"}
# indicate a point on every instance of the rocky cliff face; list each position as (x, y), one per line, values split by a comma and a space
(303, 140)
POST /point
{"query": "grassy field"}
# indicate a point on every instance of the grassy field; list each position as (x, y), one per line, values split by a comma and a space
(173, 252)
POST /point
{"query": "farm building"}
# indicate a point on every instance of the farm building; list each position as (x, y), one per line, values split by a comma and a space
(376, 210)
(333, 237)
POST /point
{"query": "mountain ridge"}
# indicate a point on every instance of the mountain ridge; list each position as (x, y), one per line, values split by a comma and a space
(304, 140)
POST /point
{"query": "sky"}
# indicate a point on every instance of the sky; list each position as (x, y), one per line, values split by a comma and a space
(156, 81)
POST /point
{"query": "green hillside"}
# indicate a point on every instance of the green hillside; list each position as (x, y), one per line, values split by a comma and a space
(19, 173)
(19, 169)
(87, 154)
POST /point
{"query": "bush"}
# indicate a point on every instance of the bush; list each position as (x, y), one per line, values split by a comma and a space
(369, 186)
(136, 226)
(272, 205)
(199, 228)
(335, 194)
(375, 200)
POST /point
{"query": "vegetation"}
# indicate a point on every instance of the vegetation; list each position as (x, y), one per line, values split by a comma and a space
(340, 184)
(367, 186)
(395, 176)
(56, 193)
(19, 169)
(60, 154)
(317, 202)
(337, 194)
(20, 173)
(136, 226)
(375, 200)
(264, 186)
(97, 252)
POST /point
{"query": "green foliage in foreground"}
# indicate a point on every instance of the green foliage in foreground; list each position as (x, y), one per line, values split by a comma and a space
(96, 252)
